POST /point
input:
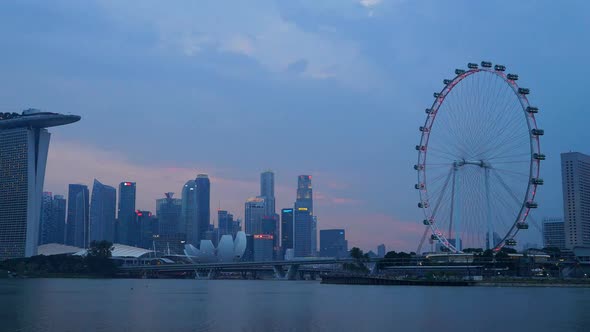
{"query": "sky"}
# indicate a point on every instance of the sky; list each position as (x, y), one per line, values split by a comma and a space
(335, 89)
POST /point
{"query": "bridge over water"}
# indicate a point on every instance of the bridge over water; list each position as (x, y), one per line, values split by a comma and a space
(289, 270)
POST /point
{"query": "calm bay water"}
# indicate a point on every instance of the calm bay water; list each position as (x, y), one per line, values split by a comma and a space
(246, 305)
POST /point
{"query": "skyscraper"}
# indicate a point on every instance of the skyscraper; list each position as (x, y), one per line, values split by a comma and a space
(333, 243)
(255, 209)
(267, 191)
(77, 227)
(304, 226)
(102, 212)
(24, 144)
(168, 211)
(286, 229)
(270, 226)
(47, 223)
(147, 228)
(126, 211)
(225, 222)
(304, 193)
(59, 217)
(554, 233)
(188, 221)
(575, 179)
(203, 205)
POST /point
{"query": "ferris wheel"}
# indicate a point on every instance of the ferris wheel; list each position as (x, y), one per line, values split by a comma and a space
(478, 160)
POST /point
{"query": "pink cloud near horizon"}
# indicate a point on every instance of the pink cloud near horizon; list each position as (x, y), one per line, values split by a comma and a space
(70, 162)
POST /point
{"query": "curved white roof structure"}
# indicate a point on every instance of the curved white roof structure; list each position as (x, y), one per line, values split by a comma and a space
(227, 250)
(51, 249)
(121, 250)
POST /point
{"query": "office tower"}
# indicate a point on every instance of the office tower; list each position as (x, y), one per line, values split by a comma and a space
(303, 221)
(126, 211)
(263, 247)
(270, 226)
(147, 228)
(188, 221)
(286, 230)
(304, 193)
(304, 225)
(203, 205)
(267, 191)
(314, 235)
(168, 211)
(225, 222)
(333, 243)
(236, 226)
(59, 218)
(381, 250)
(24, 143)
(77, 222)
(47, 224)
(554, 233)
(102, 212)
(255, 209)
(575, 179)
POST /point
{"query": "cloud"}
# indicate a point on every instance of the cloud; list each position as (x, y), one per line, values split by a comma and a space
(297, 67)
(70, 162)
(370, 3)
(256, 31)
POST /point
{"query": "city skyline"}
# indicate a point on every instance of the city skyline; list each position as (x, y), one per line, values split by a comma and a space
(248, 81)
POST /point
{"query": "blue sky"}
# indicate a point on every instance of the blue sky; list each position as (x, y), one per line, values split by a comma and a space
(334, 88)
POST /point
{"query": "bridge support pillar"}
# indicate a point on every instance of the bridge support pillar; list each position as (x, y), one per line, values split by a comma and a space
(292, 272)
(279, 272)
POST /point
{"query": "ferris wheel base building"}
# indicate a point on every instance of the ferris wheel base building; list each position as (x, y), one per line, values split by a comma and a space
(24, 144)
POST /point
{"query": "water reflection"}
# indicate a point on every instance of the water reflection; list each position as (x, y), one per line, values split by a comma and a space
(236, 305)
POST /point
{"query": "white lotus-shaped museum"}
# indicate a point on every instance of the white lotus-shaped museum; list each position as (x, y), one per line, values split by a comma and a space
(228, 249)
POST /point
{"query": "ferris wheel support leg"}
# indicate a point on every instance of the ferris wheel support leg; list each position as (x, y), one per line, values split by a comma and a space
(490, 243)
(457, 208)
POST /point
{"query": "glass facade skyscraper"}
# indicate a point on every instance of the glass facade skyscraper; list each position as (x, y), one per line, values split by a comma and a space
(102, 212)
(267, 191)
(77, 227)
(255, 209)
(188, 224)
(286, 229)
(304, 224)
(126, 211)
(575, 177)
(203, 205)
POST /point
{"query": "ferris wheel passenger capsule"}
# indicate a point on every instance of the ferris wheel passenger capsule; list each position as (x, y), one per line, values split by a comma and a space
(486, 64)
(522, 225)
(537, 132)
(511, 242)
(512, 77)
(499, 68)
(436, 94)
(531, 205)
(418, 167)
(423, 205)
(447, 82)
(459, 71)
(538, 156)
(537, 181)
(524, 91)
(472, 65)
(532, 110)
